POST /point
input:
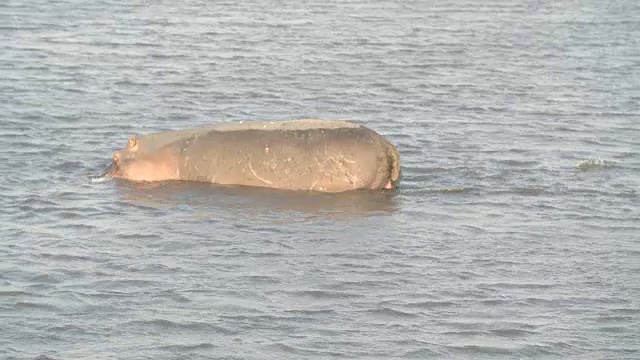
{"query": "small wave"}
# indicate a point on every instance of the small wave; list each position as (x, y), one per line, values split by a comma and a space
(512, 332)
(519, 285)
(320, 294)
(311, 311)
(30, 305)
(431, 304)
(43, 357)
(181, 348)
(260, 279)
(482, 349)
(530, 190)
(104, 176)
(167, 325)
(70, 165)
(99, 179)
(455, 190)
(391, 313)
(423, 353)
(299, 350)
(465, 333)
(615, 329)
(10, 292)
(594, 164)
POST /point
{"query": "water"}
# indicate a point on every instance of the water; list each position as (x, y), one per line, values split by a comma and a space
(515, 233)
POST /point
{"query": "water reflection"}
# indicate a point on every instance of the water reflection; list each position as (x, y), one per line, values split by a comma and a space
(244, 202)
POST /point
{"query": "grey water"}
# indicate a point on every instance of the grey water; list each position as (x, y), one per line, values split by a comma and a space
(515, 233)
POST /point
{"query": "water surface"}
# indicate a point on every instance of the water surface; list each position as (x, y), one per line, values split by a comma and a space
(515, 233)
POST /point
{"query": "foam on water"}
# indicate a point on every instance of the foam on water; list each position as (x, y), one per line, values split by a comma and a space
(99, 179)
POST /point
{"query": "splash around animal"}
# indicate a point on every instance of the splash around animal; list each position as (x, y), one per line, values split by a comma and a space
(307, 154)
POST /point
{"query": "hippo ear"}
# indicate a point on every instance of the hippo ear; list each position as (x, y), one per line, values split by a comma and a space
(133, 143)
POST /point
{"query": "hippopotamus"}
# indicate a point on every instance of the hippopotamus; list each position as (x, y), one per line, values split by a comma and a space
(307, 154)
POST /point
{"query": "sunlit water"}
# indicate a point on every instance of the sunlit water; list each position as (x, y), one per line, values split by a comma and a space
(515, 234)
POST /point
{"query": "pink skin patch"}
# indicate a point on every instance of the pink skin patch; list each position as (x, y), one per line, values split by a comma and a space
(389, 185)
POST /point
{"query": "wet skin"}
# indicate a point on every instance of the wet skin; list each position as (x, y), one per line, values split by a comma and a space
(291, 156)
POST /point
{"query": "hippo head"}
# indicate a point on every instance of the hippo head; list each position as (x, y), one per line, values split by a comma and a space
(133, 164)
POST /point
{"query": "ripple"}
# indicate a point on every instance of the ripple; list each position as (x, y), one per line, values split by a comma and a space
(513, 234)
(164, 325)
(390, 313)
(482, 349)
(183, 348)
(431, 304)
(516, 285)
(30, 305)
(298, 350)
(44, 357)
(313, 312)
(324, 294)
(512, 333)
(11, 293)
(455, 190)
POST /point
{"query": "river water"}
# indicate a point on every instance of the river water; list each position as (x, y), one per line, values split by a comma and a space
(515, 234)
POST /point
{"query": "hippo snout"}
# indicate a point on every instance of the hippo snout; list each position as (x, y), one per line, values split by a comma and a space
(116, 164)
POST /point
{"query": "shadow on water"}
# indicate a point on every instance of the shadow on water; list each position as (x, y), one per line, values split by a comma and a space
(246, 201)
